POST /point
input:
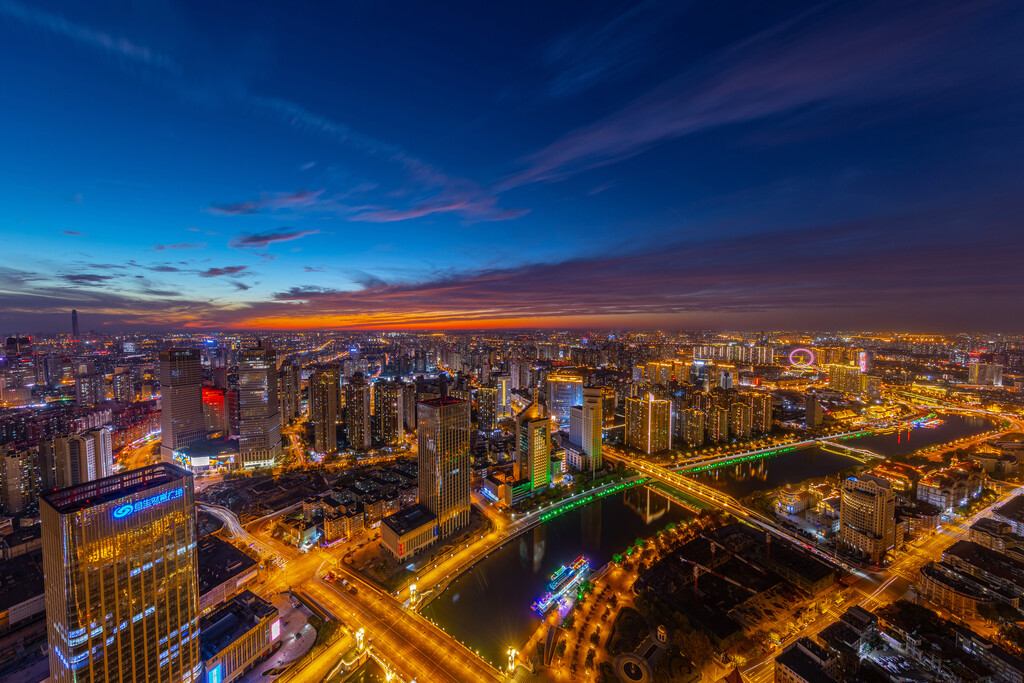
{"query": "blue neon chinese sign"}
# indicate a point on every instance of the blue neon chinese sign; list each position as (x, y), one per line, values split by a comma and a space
(146, 503)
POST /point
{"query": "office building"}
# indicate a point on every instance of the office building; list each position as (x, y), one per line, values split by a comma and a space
(389, 413)
(486, 408)
(181, 400)
(324, 397)
(444, 462)
(236, 635)
(867, 517)
(503, 404)
(357, 413)
(119, 556)
(74, 324)
(259, 412)
(289, 391)
(649, 424)
(564, 392)
(533, 448)
(85, 457)
(586, 424)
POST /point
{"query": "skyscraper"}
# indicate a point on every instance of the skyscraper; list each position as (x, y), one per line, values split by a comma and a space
(503, 406)
(389, 412)
(486, 402)
(533, 447)
(74, 324)
(444, 463)
(985, 374)
(289, 390)
(84, 457)
(19, 481)
(259, 423)
(867, 516)
(324, 396)
(741, 420)
(649, 424)
(564, 392)
(585, 426)
(123, 387)
(181, 400)
(812, 411)
(119, 557)
(693, 427)
(90, 389)
(357, 412)
(761, 403)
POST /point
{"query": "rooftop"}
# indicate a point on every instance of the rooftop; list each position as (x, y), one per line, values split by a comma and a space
(21, 579)
(219, 561)
(412, 517)
(237, 617)
(100, 491)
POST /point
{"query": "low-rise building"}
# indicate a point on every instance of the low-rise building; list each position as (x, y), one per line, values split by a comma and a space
(235, 636)
(406, 532)
(21, 590)
(224, 571)
(1012, 512)
(952, 487)
(804, 661)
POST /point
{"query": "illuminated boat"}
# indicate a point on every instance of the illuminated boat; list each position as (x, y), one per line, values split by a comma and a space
(563, 586)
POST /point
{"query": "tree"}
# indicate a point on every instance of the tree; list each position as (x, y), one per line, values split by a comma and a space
(695, 645)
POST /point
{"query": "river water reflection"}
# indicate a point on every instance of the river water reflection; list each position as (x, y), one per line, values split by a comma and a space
(488, 608)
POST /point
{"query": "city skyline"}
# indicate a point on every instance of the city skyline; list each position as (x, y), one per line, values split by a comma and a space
(658, 165)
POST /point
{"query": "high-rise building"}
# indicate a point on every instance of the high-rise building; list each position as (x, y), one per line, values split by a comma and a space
(741, 420)
(693, 427)
(503, 404)
(357, 413)
(84, 457)
(259, 412)
(324, 397)
(867, 516)
(122, 598)
(90, 389)
(761, 403)
(812, 411)
(487, 409)
(845, 379)
(74, 324)
(716, 421)
(564, 392)
(123, 387)
(444, 461)
(586, 424)
(649, 424)
(19, 481)
(181, 400)
(388, 404)
(985, 374)
(289, 390)
(533, 447)
(658, 372)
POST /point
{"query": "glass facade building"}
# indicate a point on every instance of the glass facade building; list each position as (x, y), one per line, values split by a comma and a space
(119, 557)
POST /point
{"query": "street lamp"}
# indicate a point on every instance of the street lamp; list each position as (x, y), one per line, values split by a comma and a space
(512, 659)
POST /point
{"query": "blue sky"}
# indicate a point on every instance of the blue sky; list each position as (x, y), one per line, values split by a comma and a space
(669, 164)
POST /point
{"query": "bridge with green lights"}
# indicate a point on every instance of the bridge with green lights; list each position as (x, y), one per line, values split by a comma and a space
(831, 445)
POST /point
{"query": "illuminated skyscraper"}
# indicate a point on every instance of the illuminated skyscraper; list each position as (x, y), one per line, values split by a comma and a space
(985, 374)
(181, 400)
(503, 405)
(693, 427)
(357, 412)
(289, 390)
(533, 448)
(123, 387)
(761, 403)
(658, 372)
(649, 424)
(741, 420)
(586, 424)
(119, 557)
(388, 404)
(716, 421)
(844, 378)
(564, 392)
(74, 324)
(259, 423)
(324, 396)
(444, 463)
(867, 524)
(486, 402)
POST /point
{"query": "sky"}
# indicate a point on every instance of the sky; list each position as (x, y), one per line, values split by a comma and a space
(390, 165)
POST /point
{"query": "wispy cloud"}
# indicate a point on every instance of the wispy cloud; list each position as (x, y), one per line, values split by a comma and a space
(867, 52)
(269, 203)
(87, 278)
(479, 209)
(73, 233)
(227, 270)
(265, 239)
(179, 245)
(115, 45)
